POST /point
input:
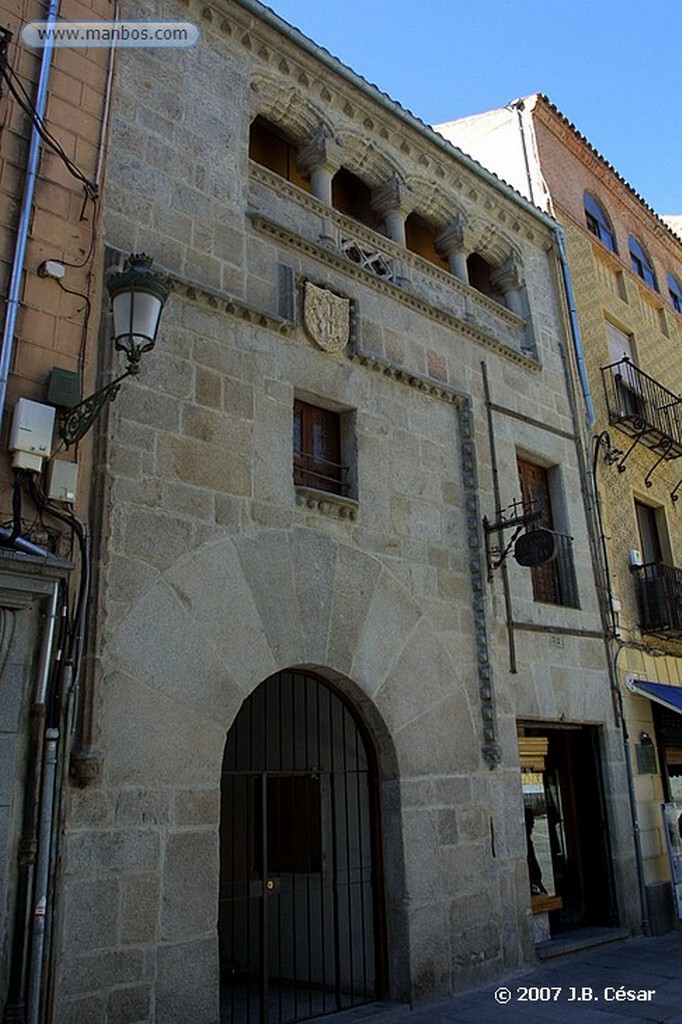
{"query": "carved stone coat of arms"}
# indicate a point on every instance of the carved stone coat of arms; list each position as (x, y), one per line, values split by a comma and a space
(326, 318)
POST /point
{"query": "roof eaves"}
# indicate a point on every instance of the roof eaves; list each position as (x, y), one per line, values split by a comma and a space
(544, 99)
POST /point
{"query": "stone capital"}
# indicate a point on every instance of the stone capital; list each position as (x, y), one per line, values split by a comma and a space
(393, 197)
(323, 151)
(455, 237)
(508, 277)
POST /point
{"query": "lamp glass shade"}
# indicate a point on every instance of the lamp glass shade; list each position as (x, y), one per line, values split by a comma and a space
(136, 320)
(137, 295)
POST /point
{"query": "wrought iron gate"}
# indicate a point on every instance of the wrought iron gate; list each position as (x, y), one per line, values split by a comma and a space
(298, 908)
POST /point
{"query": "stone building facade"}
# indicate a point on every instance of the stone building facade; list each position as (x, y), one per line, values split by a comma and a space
(52, 136)
(626, 267)
(324, 712)
(333, 742)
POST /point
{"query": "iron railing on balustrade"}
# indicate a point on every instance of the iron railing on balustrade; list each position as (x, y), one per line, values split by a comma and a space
(659, 595)
(643, 408)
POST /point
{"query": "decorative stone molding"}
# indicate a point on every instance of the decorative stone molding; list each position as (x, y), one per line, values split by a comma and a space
(325, 255)
(427, 385)
(492, 751)
(223, 303)
(281, 102)
(333, 505)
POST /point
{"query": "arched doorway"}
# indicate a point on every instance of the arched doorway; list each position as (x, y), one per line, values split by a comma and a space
(300, 922)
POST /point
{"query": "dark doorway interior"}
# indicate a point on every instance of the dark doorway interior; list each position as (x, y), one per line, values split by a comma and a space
(569, 860)
(299, 923)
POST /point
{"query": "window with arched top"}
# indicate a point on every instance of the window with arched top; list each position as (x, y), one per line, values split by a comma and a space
(598, 222)
(675, 292)
(480, 277)
(270, 147)
(350, 195)
(420, 237)
(641, 262)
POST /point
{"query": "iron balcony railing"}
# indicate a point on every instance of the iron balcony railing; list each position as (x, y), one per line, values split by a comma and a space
(659, 595)
(320, 474)
(643, 408)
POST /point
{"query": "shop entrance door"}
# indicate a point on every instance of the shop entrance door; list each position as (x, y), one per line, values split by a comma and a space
(568, 845)
(299, 914)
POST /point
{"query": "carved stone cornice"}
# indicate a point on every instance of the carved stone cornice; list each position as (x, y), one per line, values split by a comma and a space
(221, 302)
(402, 375)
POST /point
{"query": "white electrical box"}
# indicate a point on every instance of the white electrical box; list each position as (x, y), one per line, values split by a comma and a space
(30, 438)
(62, 481)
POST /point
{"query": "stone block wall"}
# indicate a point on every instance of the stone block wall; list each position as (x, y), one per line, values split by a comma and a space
(217, 572)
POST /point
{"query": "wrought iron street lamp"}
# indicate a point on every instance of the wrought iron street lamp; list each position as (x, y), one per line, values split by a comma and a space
(138, 295)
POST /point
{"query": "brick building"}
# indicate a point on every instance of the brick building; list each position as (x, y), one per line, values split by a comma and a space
(52, 140)
(626, 267)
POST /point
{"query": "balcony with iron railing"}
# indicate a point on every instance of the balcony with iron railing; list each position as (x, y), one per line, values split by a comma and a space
(659, 596)
(643, 408)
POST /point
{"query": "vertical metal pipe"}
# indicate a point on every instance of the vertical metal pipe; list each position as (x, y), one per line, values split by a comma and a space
(14, 1009)
(40, 896)
(14, 289)
(496, 493)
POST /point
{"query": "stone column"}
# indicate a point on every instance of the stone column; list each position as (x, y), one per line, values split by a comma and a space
(509, 280)
(453, 245)
(321, 159)
(394, 201)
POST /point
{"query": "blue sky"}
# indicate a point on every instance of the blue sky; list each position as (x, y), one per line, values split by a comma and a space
(612, 67)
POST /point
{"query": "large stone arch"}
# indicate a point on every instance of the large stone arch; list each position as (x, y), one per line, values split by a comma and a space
(178, 663)
(206, 632)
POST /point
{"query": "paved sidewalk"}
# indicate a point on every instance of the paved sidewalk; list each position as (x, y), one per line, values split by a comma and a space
(621, 983)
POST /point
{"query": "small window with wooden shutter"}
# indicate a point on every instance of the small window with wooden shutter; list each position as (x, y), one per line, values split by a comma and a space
(553, 582)
(317, 449)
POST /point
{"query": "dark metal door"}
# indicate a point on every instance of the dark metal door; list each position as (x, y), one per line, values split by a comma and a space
(298, 914)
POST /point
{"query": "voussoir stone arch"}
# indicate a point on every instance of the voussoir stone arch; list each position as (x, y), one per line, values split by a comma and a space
(366, 159)
(286, 106)
(491, 243)
(433, 202)
(215, 624)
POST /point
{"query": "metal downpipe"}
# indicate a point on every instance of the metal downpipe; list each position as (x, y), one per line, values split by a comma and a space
(14, 289)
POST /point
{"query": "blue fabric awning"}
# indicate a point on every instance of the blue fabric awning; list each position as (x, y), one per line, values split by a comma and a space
(669, 696)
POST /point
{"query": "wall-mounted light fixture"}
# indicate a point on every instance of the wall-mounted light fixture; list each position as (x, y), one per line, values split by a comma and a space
(138, 295)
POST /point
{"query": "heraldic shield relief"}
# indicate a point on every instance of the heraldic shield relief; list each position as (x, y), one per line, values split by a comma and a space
(326, 318)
